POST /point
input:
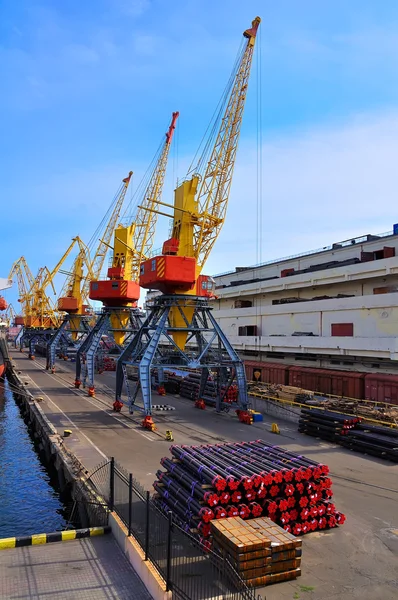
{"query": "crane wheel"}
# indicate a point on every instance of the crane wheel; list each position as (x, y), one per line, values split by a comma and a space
(148, 423)
(117, 406)
(244, 416)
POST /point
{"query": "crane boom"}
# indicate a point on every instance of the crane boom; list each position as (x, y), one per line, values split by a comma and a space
(146, 217)
(213, 194)
(102, 249)
(82, 258)
(45, 276)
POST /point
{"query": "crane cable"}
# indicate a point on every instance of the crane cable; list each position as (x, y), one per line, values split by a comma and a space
(130, 210)
(259, 187)
(213, 125)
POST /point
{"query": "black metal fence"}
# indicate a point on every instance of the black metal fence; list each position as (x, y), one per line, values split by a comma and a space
(187, 570)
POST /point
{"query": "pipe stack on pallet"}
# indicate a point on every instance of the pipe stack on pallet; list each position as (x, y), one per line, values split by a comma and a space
(325, 424)
(190, 385)
(371, 439)
(350, 432)
(249, 480)
(260, 551)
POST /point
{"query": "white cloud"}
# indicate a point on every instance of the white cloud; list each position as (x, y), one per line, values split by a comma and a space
(320, 185)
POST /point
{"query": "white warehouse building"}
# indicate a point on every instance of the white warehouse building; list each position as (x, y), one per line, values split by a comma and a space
(330, 308)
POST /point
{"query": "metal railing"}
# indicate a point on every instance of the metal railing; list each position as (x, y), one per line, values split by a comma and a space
(188, 571)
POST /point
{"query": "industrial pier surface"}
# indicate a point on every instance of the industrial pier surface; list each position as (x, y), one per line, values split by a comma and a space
(86, 569)
(357, 561)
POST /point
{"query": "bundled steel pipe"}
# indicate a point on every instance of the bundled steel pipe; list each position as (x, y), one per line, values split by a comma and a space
(193, 485)
(247, 479)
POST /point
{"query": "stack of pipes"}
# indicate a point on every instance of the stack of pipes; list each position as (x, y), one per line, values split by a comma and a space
(190, 389)
(348, 431)
(249, 480)
(325, 424)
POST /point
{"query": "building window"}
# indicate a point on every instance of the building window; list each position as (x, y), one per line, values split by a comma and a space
(248, 330)
(343, 329)
(243, 303)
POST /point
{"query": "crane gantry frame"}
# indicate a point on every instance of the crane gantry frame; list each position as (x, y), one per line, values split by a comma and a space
(180, 314)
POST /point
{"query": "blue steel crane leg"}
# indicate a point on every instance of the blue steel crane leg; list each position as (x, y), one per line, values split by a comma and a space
(131, 393)
(243, 400)
(53, 343)
(82, 349)
(97, 333)
(19, 337)
(128, 355)
(144, 368)
(32, 345)
(203, 380)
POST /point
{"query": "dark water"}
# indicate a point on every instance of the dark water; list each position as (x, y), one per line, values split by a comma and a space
(28, 502)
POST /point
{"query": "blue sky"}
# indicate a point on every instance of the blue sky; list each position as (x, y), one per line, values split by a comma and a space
(88, 89)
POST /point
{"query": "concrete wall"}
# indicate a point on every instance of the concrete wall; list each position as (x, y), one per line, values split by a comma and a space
(367, 348)
(374, 318)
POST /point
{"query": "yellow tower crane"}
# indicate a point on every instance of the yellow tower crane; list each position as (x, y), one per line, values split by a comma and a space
(73, 299)
(49, 317)
(39, 315)
(110, 219)
(120, 317)
(9, 315)
(25, 282)
(182, 313)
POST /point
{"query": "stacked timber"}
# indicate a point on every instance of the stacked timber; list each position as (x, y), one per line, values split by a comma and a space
(282, 392)
(350, 432)
(260, 551)
(366, 409)
(246, 480)
(325, 424)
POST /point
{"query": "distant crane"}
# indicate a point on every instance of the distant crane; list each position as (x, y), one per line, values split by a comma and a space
(26, 282)
(9, 315)
(74, 297)
(182, 315)
(120, 317)
(39, 314)
(75, 323)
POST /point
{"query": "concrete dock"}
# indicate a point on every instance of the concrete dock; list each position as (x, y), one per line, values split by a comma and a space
(86, 569)
(356, 561)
